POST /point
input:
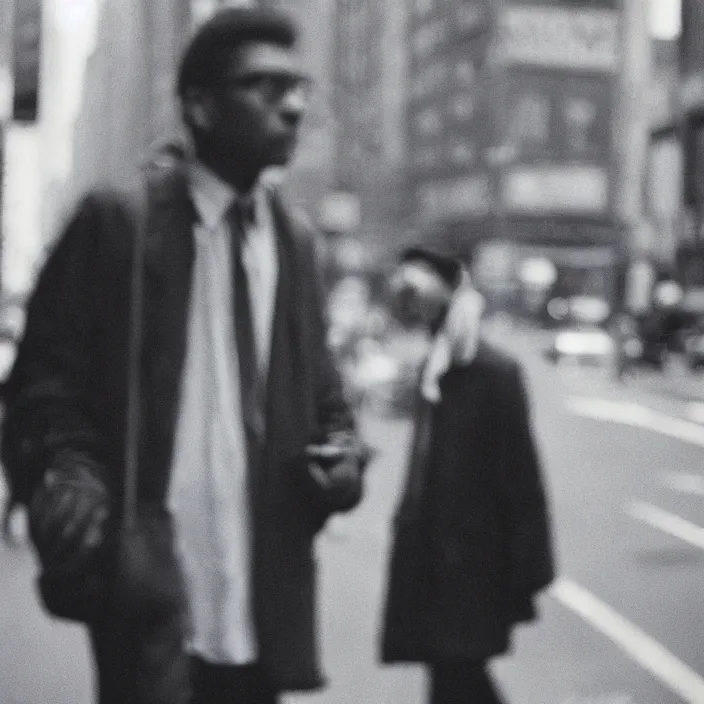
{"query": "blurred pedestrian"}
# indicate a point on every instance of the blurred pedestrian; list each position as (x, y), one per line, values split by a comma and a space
(246, 446)
(472, 545)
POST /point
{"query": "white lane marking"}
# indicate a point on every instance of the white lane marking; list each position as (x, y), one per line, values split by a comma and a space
(600, 699)
(637, 416)
(695, 411)
(636, 643)
(685, 483)
(667, 522)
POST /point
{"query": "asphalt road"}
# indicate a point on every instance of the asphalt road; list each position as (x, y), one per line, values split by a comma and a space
(622, 625)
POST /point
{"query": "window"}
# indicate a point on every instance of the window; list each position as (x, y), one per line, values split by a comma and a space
(428, 37)
(580, 115)
(420, 85)
(429, 79)
(465, 72)
(462, 152)
(470, 15)
(429, 121)
(462, 106)
(423, 7)
(426, 157)
(531, 119)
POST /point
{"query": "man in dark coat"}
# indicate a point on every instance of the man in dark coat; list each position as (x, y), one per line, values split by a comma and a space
(472, 545)
(245, 443)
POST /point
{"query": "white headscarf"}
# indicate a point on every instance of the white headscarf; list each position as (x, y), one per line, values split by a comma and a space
(457, 341)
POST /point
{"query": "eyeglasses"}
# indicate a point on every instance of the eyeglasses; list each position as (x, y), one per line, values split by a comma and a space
(273, 87)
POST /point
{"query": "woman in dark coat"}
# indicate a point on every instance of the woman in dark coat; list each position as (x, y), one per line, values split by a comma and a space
(472, 542)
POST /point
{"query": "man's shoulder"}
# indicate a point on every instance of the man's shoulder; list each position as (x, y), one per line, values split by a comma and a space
(105, 197)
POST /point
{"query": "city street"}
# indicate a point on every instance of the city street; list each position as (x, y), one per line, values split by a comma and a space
(621, 625)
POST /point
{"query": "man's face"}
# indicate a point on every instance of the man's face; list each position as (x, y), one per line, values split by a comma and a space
(256, 110)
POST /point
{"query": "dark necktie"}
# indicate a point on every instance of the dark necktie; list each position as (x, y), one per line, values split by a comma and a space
(239, 218)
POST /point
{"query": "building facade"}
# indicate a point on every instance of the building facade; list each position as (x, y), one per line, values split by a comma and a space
(106, 95)
(690, 255)
(369, 106)
(450, 119)
(664, 193)
(528, 135)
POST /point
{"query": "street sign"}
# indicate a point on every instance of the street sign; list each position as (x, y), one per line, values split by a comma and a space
(460, 196)
(582, 189)
(561, 37)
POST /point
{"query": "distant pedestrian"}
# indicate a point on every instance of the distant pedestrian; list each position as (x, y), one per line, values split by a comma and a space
(472, 543)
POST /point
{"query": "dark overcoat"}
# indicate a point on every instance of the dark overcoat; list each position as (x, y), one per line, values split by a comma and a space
(471, 541)
(67, 398)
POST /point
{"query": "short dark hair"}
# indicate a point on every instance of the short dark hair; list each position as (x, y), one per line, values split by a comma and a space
(447, 268)
(214, 42)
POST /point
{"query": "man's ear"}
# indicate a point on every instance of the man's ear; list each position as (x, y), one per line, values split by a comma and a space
(198, 109)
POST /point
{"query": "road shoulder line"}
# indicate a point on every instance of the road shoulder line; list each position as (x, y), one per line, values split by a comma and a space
(667, 522)
(634, 642)
(636, 416)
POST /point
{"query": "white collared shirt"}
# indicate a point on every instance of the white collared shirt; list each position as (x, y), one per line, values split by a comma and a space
(208, 495)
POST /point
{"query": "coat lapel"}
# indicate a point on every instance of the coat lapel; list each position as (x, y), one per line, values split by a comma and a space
(291, 385)
(168, 277)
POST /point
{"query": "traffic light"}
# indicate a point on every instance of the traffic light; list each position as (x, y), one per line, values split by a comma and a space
(26, 43)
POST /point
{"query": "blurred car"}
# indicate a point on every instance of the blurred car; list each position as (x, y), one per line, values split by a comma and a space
(581, 336)
(584, 344)
(694, 349)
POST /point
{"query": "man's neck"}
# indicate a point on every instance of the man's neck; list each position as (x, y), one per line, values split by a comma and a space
(243, 181)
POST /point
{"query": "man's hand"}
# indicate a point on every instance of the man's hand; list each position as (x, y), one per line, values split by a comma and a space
(336, 475)
(67, 516)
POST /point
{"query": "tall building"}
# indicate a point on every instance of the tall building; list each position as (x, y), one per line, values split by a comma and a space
(691, 103)
(128, 101)
(450, 120)
(311, 175)
(369, 98)
(107, 94)
(664, 195)
(528, 134)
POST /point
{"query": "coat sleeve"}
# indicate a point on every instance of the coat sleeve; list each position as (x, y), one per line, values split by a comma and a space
(49, 421)
(525, 503)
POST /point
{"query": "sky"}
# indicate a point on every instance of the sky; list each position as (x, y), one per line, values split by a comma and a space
(665, 18)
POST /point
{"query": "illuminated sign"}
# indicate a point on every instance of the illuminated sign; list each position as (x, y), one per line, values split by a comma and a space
(465, 195)
(560, 37)
(557, 188)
